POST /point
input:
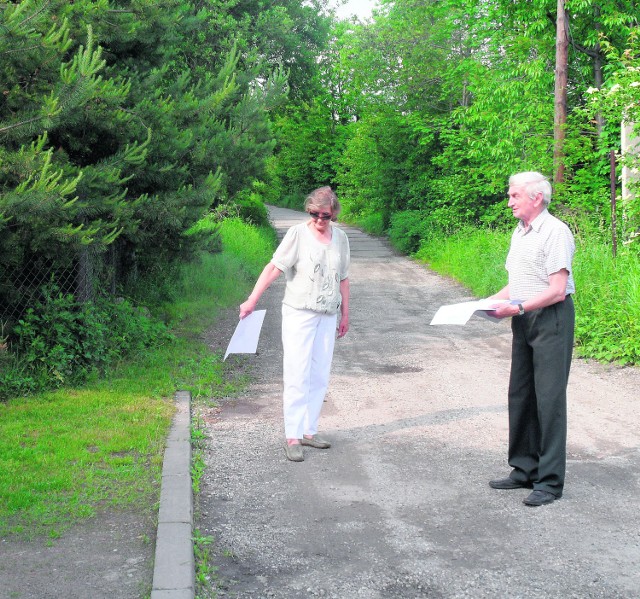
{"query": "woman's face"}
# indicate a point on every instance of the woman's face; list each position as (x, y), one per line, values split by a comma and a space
(320, 217)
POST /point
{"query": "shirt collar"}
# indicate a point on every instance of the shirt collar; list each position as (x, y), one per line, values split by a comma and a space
(536, 223)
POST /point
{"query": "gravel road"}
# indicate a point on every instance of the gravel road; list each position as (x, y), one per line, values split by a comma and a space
(400, 507)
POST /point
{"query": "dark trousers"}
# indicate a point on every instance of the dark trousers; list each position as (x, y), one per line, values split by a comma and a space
(540, 361)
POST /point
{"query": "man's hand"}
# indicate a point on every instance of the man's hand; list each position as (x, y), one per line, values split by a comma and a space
(505, 310)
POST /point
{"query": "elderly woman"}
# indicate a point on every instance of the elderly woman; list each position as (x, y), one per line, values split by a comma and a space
(315, 257)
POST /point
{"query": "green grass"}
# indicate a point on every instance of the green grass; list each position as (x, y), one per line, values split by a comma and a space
(608, 303)
(607, 289)
(474, 257)
(65, 455)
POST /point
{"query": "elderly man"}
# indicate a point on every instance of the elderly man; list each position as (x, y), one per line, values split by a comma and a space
(540, 287)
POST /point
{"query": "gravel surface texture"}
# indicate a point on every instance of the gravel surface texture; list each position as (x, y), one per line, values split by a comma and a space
(400, 506)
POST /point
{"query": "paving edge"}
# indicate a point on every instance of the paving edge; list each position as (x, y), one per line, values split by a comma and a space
(174, 567)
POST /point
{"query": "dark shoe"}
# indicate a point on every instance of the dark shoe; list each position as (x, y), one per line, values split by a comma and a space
(294, 452)
(538, 498)
(508, 483)
(316, 441)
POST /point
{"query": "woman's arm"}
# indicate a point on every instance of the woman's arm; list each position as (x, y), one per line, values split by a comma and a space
(269, 274)
(343, 326)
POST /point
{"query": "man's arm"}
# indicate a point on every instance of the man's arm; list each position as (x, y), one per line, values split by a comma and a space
(502, 294)
(556, 292)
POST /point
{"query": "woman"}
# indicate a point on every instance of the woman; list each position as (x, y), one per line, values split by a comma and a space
(315, 257)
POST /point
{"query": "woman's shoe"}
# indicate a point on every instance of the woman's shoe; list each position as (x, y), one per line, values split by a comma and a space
(294, 452)
(316, 441)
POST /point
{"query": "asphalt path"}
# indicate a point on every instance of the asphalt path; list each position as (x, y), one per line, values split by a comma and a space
(400, 506)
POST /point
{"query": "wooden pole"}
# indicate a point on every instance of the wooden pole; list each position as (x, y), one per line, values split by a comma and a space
(612, 176)
(560, 95)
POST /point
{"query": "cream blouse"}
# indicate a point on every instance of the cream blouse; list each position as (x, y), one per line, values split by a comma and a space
(313, 269)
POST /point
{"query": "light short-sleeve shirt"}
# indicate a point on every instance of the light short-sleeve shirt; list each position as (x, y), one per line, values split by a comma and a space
(543, 249)
(313, 269)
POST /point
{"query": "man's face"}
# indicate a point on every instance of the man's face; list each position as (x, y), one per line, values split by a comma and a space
(523, 207)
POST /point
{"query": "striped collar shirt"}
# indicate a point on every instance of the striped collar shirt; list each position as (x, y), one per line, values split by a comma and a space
(544, 248)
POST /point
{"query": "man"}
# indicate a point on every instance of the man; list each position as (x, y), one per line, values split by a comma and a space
(540, 287)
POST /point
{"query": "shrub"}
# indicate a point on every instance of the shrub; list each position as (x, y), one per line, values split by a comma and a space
(207, 232)
(252, 245)
(407, 230)
(60, 341)
(372, 223)
(251, 208)
(607, 302)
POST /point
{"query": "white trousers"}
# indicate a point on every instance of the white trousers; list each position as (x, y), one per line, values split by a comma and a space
(308, 339)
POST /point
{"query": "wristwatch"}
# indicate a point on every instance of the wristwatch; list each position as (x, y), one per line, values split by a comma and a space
(520, 309)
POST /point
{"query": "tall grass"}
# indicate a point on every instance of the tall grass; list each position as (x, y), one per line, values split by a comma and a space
(473, 257)
(212, 282)
(607, 289)
(65, 455)
(607, 303)
(252, 247)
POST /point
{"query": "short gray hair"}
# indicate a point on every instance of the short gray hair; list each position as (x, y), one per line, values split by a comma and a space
(321, 197)
(533, 183)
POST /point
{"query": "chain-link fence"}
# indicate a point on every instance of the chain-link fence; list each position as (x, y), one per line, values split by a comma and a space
(84, 277)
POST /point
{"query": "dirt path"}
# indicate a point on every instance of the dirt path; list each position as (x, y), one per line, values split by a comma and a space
(400, 507)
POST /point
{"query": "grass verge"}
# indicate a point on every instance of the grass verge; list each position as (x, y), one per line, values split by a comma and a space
(607, 289)
(65, 455)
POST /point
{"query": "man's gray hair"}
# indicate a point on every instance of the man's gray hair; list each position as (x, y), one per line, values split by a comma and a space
(534, 183)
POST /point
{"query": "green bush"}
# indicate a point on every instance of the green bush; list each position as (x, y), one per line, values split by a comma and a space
(295, 201)
(252, 245)
(474, 257)
(251, 208)
(407, 230)
(372, 223)
(607, 302)
(60, 341)
(16, 378)
(207, 232)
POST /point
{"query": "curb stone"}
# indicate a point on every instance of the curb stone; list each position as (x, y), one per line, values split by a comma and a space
(174, 566)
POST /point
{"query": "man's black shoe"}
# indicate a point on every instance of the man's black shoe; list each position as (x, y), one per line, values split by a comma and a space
(508, 483)
(538, 498)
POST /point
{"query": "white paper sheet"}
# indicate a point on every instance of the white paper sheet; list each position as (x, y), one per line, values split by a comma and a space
(461, 313)
(245, 337)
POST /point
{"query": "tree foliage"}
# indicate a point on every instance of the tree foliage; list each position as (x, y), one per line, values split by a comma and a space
(123, 122)
(448, 98)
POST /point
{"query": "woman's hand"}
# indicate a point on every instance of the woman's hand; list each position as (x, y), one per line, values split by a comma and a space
(343, 327)
(247, 307)
(269, 274)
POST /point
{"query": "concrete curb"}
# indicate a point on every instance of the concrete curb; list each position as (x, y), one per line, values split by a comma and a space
(174, 566)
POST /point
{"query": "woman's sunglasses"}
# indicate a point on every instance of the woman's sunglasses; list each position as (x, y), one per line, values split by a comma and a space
(318, 216)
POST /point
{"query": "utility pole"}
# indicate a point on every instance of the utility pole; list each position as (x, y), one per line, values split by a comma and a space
(560, 96)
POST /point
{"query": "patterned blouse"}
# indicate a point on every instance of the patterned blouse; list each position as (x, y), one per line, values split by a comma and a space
(313, 269)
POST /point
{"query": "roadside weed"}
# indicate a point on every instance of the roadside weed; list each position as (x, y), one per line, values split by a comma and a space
(206, 573)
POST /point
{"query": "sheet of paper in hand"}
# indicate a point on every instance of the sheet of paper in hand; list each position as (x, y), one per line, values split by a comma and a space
(461, 313)
(245, 337)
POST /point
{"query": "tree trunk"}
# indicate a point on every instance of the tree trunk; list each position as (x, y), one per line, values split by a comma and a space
(560, 113)
(598, 75)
